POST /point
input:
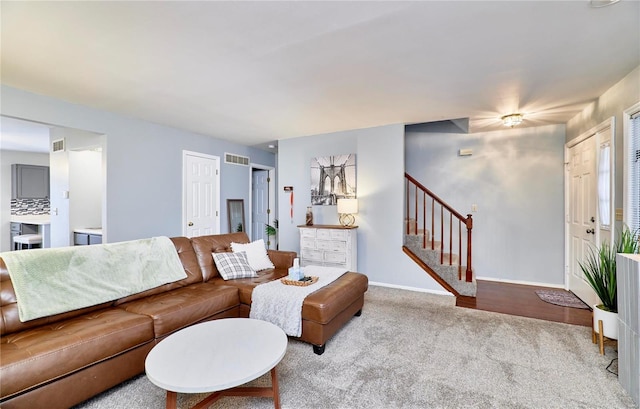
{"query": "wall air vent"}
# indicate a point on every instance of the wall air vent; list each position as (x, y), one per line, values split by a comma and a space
(57, 146)
(234, 159)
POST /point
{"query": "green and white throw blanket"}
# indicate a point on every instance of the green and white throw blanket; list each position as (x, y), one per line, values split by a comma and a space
(57, 280)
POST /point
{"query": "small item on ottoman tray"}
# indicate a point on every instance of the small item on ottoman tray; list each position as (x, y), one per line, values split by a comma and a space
(303, 282)
(295, 273)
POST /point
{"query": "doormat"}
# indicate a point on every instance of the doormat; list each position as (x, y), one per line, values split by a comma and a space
(562, 298)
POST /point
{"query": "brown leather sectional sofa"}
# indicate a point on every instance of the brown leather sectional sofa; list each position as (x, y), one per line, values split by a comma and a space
(62, 360)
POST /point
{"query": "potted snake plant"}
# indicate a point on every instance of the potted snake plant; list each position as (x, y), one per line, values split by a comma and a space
(599, 268)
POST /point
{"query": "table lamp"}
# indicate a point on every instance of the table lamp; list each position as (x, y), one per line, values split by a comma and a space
(346, 209)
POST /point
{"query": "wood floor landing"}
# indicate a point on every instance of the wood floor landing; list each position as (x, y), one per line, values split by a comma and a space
(521, 300)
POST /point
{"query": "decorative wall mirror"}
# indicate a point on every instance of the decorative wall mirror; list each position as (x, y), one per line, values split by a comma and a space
(235, 214)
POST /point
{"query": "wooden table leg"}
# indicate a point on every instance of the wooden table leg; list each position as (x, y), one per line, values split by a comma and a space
(263, 391)
(172, 400)
(274, 387)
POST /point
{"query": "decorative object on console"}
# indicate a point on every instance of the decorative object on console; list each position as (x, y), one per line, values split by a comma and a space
(346, 209)
(233, 265)
(333, 178)
(256, 253)
(309, 219)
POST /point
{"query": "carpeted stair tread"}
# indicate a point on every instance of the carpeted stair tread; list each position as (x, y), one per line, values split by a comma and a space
(448, 273)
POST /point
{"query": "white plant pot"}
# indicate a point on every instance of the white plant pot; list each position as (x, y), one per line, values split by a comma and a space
(609, 322)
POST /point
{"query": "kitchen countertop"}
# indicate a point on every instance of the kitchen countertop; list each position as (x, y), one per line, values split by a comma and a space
(89, 230)
(40, 219)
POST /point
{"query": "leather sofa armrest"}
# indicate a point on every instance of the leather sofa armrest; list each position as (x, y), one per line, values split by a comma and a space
(282, 259)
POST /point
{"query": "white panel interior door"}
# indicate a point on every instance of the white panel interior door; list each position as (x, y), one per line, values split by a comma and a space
(259, 203)
(201, 201)
(583, 199)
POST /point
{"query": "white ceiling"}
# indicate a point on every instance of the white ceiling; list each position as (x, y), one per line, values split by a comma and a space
(255, 72)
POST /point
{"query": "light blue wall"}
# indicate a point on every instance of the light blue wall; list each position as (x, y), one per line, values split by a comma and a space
(144, 163)
(380, 179)
(612, 103)
(516, 178)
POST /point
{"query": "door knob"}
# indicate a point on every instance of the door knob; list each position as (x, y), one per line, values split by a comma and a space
(191, 224)
(592, 231)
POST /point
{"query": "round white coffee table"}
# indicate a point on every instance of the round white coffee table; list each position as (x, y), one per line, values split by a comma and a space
(217, 356)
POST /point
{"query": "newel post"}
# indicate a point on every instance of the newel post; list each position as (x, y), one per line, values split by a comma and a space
(469, 223)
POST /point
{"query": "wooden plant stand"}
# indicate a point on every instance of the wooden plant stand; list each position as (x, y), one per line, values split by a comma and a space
(598, 337)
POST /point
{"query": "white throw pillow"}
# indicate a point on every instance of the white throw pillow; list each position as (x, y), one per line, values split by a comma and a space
(233, 265)
(256, 254)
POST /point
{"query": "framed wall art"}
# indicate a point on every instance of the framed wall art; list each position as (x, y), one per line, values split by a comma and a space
(333, 178)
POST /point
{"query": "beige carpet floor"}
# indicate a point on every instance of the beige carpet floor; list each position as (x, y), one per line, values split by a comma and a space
(417, 350)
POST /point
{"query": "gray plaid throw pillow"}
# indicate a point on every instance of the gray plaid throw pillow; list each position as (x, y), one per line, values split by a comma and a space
(233, 265)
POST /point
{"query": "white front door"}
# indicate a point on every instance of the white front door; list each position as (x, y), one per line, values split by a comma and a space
(259, 203)
(201, 199)
(582, 223)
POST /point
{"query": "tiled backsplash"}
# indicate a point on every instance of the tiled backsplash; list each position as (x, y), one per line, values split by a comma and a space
(21, 207)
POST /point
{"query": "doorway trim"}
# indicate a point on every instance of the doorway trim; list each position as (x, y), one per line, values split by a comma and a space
(626, 144)
(272, 194)
(215, 204)
(594, 132)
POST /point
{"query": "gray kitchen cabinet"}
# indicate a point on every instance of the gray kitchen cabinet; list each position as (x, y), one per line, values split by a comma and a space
(84, 239)
(80, 239)
(29, 181)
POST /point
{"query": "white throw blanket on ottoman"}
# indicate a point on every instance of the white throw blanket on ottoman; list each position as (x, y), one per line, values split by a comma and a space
(281, 304)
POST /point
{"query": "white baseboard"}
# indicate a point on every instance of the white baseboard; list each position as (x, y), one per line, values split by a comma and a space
(502, 280)
(416, 289)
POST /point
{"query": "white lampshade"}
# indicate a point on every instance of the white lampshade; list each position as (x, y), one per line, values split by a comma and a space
(348, 206)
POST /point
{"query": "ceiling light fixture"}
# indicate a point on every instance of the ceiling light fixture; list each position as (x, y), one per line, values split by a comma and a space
(512, 120)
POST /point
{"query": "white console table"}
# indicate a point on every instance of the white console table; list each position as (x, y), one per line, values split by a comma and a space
(628, 270)
(329, 245)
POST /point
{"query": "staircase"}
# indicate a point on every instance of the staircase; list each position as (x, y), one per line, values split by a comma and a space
(434, 232)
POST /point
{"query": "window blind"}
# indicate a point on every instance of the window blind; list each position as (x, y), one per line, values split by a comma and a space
(634, 173)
